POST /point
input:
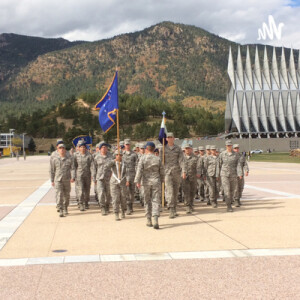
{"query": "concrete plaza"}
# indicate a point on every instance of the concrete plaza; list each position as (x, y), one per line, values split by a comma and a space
(250, 253)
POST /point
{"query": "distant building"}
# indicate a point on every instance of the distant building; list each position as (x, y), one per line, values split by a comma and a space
(263, 101)
(9, 139)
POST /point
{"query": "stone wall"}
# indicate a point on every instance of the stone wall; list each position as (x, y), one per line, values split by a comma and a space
(275, 144)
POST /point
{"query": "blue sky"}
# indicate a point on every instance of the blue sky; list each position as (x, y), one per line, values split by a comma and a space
(92, 20)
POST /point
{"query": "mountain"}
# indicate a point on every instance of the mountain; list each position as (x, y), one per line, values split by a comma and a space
(168, 61)
(16, 51)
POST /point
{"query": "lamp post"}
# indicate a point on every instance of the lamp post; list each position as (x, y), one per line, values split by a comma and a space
(24, 154)
(11, 131)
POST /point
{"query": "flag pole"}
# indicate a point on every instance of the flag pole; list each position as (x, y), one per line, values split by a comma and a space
(163, 162)
(118, 143)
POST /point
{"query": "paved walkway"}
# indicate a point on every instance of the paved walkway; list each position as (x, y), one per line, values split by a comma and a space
(211, 254)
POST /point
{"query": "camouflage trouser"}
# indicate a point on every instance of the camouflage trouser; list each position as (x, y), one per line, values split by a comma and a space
(172, 185)
(229, 185)
(189, 189)
(200, 185)
(212, 183)
(152, 199)
(95, 191)
(84, 188)
(62, 189)
(239, 188)
(118, 192)
(129, 192)
(103, 191)
(206, 189)
(76, 190)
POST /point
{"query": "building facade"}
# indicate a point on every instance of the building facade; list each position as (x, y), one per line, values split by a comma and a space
(264, 99)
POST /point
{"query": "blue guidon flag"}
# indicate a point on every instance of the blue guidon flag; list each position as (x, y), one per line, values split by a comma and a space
(163, 130)
(108, 106)
(88, 140)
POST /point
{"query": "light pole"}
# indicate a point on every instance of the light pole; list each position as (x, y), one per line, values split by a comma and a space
(24, 154)
(11, 131)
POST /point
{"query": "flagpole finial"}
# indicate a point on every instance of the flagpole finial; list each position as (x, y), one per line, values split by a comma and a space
(163, 113)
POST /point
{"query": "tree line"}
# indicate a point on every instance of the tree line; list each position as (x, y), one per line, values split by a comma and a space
(140, 119)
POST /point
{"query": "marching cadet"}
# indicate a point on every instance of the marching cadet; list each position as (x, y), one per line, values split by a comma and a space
(229, 170)
(83, 163)
(240, 181)
(221, 190)
(56, 154)
(206, 186)
(150, 175)
(62, 174)
(200, 179)
(95, 185)
(174, 166)
(211, 167)
(120, 179)
(101, 176)
(189, 177)
(130, 159)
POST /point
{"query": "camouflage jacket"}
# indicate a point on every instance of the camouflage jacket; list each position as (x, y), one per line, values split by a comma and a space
(102, 167)
(211, 166)
(150, 170)
(62, 168)
(174, 160)
(229, 165)
(84, 165)
(190, 163)
(131, 160)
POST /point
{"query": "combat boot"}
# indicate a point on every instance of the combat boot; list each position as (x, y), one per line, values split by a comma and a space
(236, 203)
(81, 207)
(103, 211)
(208, 202)
(172, 213)
(188, 210)
(128, 212)
(107, 208)
(61, 214)
(87, 206)
(131, 207)
(57, 208)
(229, 209)
(149, 222)
(123, 214)
(156, 226)
(175, 212)
(215, 204)
(66, 211)
(117, 218)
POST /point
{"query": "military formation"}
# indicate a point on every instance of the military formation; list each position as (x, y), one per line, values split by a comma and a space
(124, 175)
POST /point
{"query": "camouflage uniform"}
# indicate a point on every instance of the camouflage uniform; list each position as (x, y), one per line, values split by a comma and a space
(174, 165)
(211, 167)
(83, 166)
(131, 159)
(61, 172)
(241, 181)
(229, 169)
(102, 173)
(190, 182)
(206, 185)
(150, 174)
(118, 186)
(200, 181)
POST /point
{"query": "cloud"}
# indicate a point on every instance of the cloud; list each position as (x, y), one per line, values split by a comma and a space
(97, 19)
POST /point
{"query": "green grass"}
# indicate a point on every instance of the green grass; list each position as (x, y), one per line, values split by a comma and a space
(283, 157)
